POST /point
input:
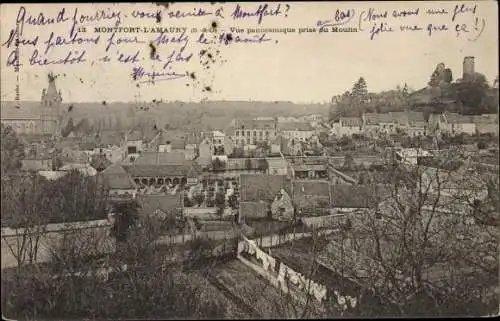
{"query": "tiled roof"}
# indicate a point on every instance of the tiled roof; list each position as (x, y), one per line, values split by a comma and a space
(254, 208)
(115, 177)
(310, 194)
(147, 135)
(163, 158)
(277, 162)
(109, 137)
(357, 196)
(351, 121)
(454, 118)
(166, 203)
(374, 118)
(262, 187)
(309, 167)
(255, 124)
(178, 138)
(157, 170)
(416, 116)
(294, 126)
(174, 143)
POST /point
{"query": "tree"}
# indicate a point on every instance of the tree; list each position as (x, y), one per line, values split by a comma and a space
(126, 215)
(100, 162)
(12, 151)
(472, 94)
(220, 202)
(421, 252)
(218, 165)
(348, 162)
(360, 91)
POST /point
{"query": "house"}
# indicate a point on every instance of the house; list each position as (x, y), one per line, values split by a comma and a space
(172, 140)
(411, 122)
(84, 169)
(411, 156)
(228, 145)
(347, 198)
(347, 126)
(37, 163)
(282, 207)
(303, 170)
(257, 194)
(171, 176)
(287, 119)
(70, 154)
(486, 123)
(300, 131)
(118, 183)
(215, 137)
(375, 124)
(160, 206)
(250, 132)
(206, 151)
(277, 166)
(135, 145)
(237, 166)
(275, 145)
(310, 197)
(43, 119)
(456, 124)
(291, 147)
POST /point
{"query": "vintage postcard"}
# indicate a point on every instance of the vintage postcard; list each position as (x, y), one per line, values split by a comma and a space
(249, 160)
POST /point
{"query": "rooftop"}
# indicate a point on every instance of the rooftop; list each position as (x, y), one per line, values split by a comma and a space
(294, 126)
(115, 177)
(161, 158)
(256, 187)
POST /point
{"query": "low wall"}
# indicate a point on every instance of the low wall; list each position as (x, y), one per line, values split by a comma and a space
(39, 244)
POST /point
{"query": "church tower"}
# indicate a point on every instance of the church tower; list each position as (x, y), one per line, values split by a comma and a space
(51, 107)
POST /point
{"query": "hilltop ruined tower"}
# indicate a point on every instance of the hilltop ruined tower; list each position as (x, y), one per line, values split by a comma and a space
(468, 67)
(51, 107)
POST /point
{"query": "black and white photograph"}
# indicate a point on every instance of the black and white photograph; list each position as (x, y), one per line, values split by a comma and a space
(252, 160)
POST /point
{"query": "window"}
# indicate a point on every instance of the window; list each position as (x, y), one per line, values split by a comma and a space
(248, 133)
(267, 133)
(260, 134)
(248, 141)
(237, 133)
(255, 133)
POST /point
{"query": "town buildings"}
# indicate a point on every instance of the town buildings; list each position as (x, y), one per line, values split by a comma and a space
(42, 120)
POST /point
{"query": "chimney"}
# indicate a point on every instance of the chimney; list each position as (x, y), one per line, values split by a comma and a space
(168, 149)
(468, 66)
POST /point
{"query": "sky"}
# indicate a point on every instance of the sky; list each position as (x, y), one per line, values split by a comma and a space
(305, 67)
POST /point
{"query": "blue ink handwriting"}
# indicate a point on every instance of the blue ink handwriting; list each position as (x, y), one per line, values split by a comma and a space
(111, 41)
(72, 57)
(341, 17)
(261, 12)
(139, 73)
(75, 39)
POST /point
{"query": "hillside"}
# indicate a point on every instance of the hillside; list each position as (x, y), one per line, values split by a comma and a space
(205, 115)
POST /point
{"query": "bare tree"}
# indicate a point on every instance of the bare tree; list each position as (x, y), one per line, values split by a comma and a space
(413, 249)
